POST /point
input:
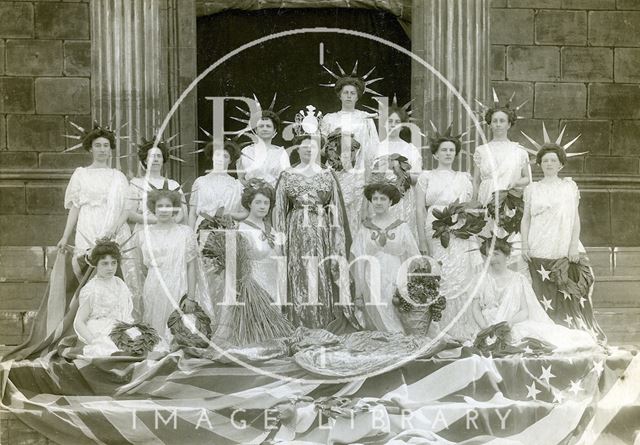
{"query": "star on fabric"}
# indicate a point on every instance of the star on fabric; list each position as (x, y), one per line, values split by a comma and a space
(532, 391)
(547, 304)
(557, 397)
(568, 320)
(544, 273)
(575, 387)
(528, 350)
(546, 374)
(598, 366)
(582, 300)
(566, 295)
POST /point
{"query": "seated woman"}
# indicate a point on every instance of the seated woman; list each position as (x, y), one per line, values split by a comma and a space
(258, 198)
(505, 295)
(403, 161)
(103, 301)
(169, 252)
(389, 241)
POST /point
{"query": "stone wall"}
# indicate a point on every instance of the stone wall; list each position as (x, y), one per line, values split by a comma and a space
(45, 67)
(578, 64)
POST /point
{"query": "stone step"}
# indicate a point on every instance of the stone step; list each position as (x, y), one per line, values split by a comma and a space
(622, 325)
(616, 292)
(18, 296)
(11, 327)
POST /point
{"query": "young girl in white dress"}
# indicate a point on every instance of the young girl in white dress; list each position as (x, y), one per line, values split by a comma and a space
(103, 302)
(506, 295)
(169, 253)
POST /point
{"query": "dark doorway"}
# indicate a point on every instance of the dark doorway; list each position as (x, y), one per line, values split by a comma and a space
(290, 65)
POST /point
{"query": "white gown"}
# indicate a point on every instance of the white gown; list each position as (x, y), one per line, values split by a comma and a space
(265, 164)
(109, 301)
(500, 164)
(461, 260)
(553, 208)
(208, 194)
(500, 303)
(101, 195)
(215, 190)
(400, 245)
(137, 188)
(363, 128)
(166, 253)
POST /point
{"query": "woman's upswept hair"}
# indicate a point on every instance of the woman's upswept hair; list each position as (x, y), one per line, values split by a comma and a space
(551, 148)
(102, 249)
(256, 187)
(98, 132)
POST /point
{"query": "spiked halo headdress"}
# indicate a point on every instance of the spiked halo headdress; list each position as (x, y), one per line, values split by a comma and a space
(85, 136)
(165, 145)
(343, 78)
(486, 111)
(438, 135)
(558, 142)
(270, 112)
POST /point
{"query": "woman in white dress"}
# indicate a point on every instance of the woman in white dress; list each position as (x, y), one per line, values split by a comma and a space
(215, 206)
(550, 233)
(96, 198)
(436, 190)
(352, 121)
(103, 302)
(169, 253)
(217, 192)
(501, 165)
(390, 242)
(263, 159)
(152, 158)
(393, 146)
(505, 295)
(258, 198)
(341, 159)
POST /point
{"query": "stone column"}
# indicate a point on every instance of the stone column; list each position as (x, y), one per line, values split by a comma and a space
(453, 37)
(137, 71)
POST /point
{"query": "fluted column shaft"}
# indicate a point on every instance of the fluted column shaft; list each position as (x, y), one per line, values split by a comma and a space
(453, 37)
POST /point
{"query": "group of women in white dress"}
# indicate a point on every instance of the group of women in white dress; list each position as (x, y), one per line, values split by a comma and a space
(350, 196)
